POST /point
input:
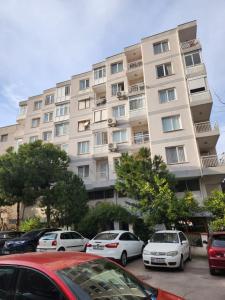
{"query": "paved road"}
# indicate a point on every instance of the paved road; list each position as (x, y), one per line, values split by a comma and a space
(195, 283)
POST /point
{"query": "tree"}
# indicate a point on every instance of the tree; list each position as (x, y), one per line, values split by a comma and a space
(70, 200)
(216, 205)
(30, 224)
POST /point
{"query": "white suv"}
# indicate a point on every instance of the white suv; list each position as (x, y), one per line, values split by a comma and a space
(62, 241)
(167, 248)
(116, 244)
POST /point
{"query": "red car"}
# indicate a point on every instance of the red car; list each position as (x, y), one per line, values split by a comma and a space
(216, 252)
(70, 276)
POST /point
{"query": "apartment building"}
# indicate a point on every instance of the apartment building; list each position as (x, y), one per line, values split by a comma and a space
(154, 94)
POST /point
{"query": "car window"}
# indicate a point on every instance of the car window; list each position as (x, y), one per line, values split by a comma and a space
(65, 236)
(182, 237)
(109, 236)
(218, 240)
(49, 236)
(31, 234)
(125, 237)
(164, 237)
(6, 278)
(133, 237)
(75, 235)
(33, 285)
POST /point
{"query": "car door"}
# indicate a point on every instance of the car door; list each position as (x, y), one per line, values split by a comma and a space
(136, 244)
(184, 245)
(127, 243)
(65, 239)
(77, 241)
(7, 282)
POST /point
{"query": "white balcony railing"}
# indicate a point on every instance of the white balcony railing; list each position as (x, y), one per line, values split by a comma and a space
(205, 127)
(100, 149)
(134, 64)
(200, 96)
(212, 161)
(189, 44)
(102, 175)
(141, 138)
(137, 88)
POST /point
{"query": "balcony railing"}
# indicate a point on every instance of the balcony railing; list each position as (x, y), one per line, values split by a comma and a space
(135, 64)
(205, 127)
(189, 44)
(141, 138)
(137, 88)
(100, 149)
(102, 175)
(200, 96)
(212, 161)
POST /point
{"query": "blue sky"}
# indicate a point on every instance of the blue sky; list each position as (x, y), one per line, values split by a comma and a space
(46, 41)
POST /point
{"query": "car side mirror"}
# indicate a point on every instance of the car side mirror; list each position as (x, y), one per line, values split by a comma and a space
(183, 242)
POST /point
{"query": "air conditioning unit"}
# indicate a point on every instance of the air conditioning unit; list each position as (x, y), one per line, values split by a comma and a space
(121, 95)
(111, 122)
(112, 147)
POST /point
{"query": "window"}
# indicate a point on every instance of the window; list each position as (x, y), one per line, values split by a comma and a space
(83, 147)
(101, 138)
(84, 125)
(48, 117)
(22, 110)
(187, 185)
(47, 135)
(102, 194)
(136, 102)
(4, 138)
(62, 92)
(37, 105)
(164, 70)
(161, 47)
(197, 85)
(84, 84)
(182, 237)
(67, 90)
(7, 276)
(167, 95)
(33, 139)
(116, 67)
(120, 136)
(141, 137)
(33, 285)
(75, 235)
(192, 59)
(118, 111)
(117, 87)
(100, 101)
(61, 129)
(64, 147)
(62, 110)
(171, 123)
(99, 73)
(175, 155)
(49, 99)
(84, 104)
(35, 122)
(100, 115)
(83, 171)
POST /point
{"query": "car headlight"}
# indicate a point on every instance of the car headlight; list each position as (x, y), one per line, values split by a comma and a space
(172, 253)
(146, 252)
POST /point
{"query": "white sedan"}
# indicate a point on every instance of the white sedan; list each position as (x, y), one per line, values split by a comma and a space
(167, 248)
(116, 244)
(62, 241)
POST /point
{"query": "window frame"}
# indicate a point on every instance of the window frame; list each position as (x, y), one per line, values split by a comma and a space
(86, 84)
(83, 169)
(47, 132)
(161, 47)
(49, 99)
(164, 70)
(167, 95)
(171, 121)
(64, 108)
(120, 135)
(79, 147)
(50, 117)
(101, 115)
(82, 122)
(192, 59)
(138, 99)
(116, 111)
(84, 101)
(99, 70)
(37, 105)
(64, 125)
(116, 64)
(35, 137)
(38, 122)
(103, 137)
(4, 138)
(118, 89)
(177, 154)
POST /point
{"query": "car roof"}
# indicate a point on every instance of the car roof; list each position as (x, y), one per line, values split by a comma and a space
(113, 231)
(168, 231)
(50, 261)
(60, 231)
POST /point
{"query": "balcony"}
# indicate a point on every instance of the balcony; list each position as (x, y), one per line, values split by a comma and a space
(102, 175)
(140, 138)
(136, 88)
(196, 70)
(135, 70)
(213, 165)
(207, 135)
(201, 105)
(99, 125)
(191, 45)
(206, 127)
(134, 65)
(99, 151)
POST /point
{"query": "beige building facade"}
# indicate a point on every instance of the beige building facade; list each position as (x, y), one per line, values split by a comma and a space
(154, 94)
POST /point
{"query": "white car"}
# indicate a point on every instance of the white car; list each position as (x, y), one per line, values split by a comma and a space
(167, 248)
(116, 244)
(62, 241)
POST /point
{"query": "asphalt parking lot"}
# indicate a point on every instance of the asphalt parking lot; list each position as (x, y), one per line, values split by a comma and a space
(195, 283)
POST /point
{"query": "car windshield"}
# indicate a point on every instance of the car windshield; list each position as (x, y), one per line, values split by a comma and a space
(109, 236)
(164, 237)
(49, 236)
(101, 279)
(30, 234)
(218, 241)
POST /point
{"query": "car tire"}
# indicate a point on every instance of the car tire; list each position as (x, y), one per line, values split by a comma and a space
(212, 271)
(189, 255)
(181, 266)
(123, 258)
(61, 249)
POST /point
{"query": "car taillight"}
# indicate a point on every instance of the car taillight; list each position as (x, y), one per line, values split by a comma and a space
(54, 243)
(212, 252)
(112, 245)
(88, 245)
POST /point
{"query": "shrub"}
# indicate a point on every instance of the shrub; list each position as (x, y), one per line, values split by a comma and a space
(30, 224)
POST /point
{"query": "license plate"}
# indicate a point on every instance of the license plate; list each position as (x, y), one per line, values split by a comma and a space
(98, 247)
(158, 260)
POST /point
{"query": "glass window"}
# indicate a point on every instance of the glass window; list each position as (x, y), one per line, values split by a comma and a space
(35, 122)
(33, 285)
(37, 105)
(4, 137)
(171, 123)
(33, 138)
(83, 171)
(47, 135)
(175, 154)
(164, 70)
(101, 138)
(136, 102)
(218, 240)
(106, 236)
(116, 67)
(22, 110)
(83, 147)
(84, 125)
(84, 84)
(100, 115)
(75, 235)
(117, 87)
(167, 95)
(84, 104)
(161, 47)
(64, 147)
(61, 129)
(182, 237)
(48, 117)
(49, 99)
(118, 111)
(99, 73)
(67, 90)
(120, 136)
(62, 110)
(7, 276)
(164, 237)
(65, 236)
(49, 236)
(192, 59)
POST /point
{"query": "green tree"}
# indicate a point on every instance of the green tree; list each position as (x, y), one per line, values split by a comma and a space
(30, 224)
(70, 200)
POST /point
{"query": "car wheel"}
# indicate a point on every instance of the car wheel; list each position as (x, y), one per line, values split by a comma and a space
(212, 271)
(181, 266)
(189, 255)
(61, 249)
(123, 258)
